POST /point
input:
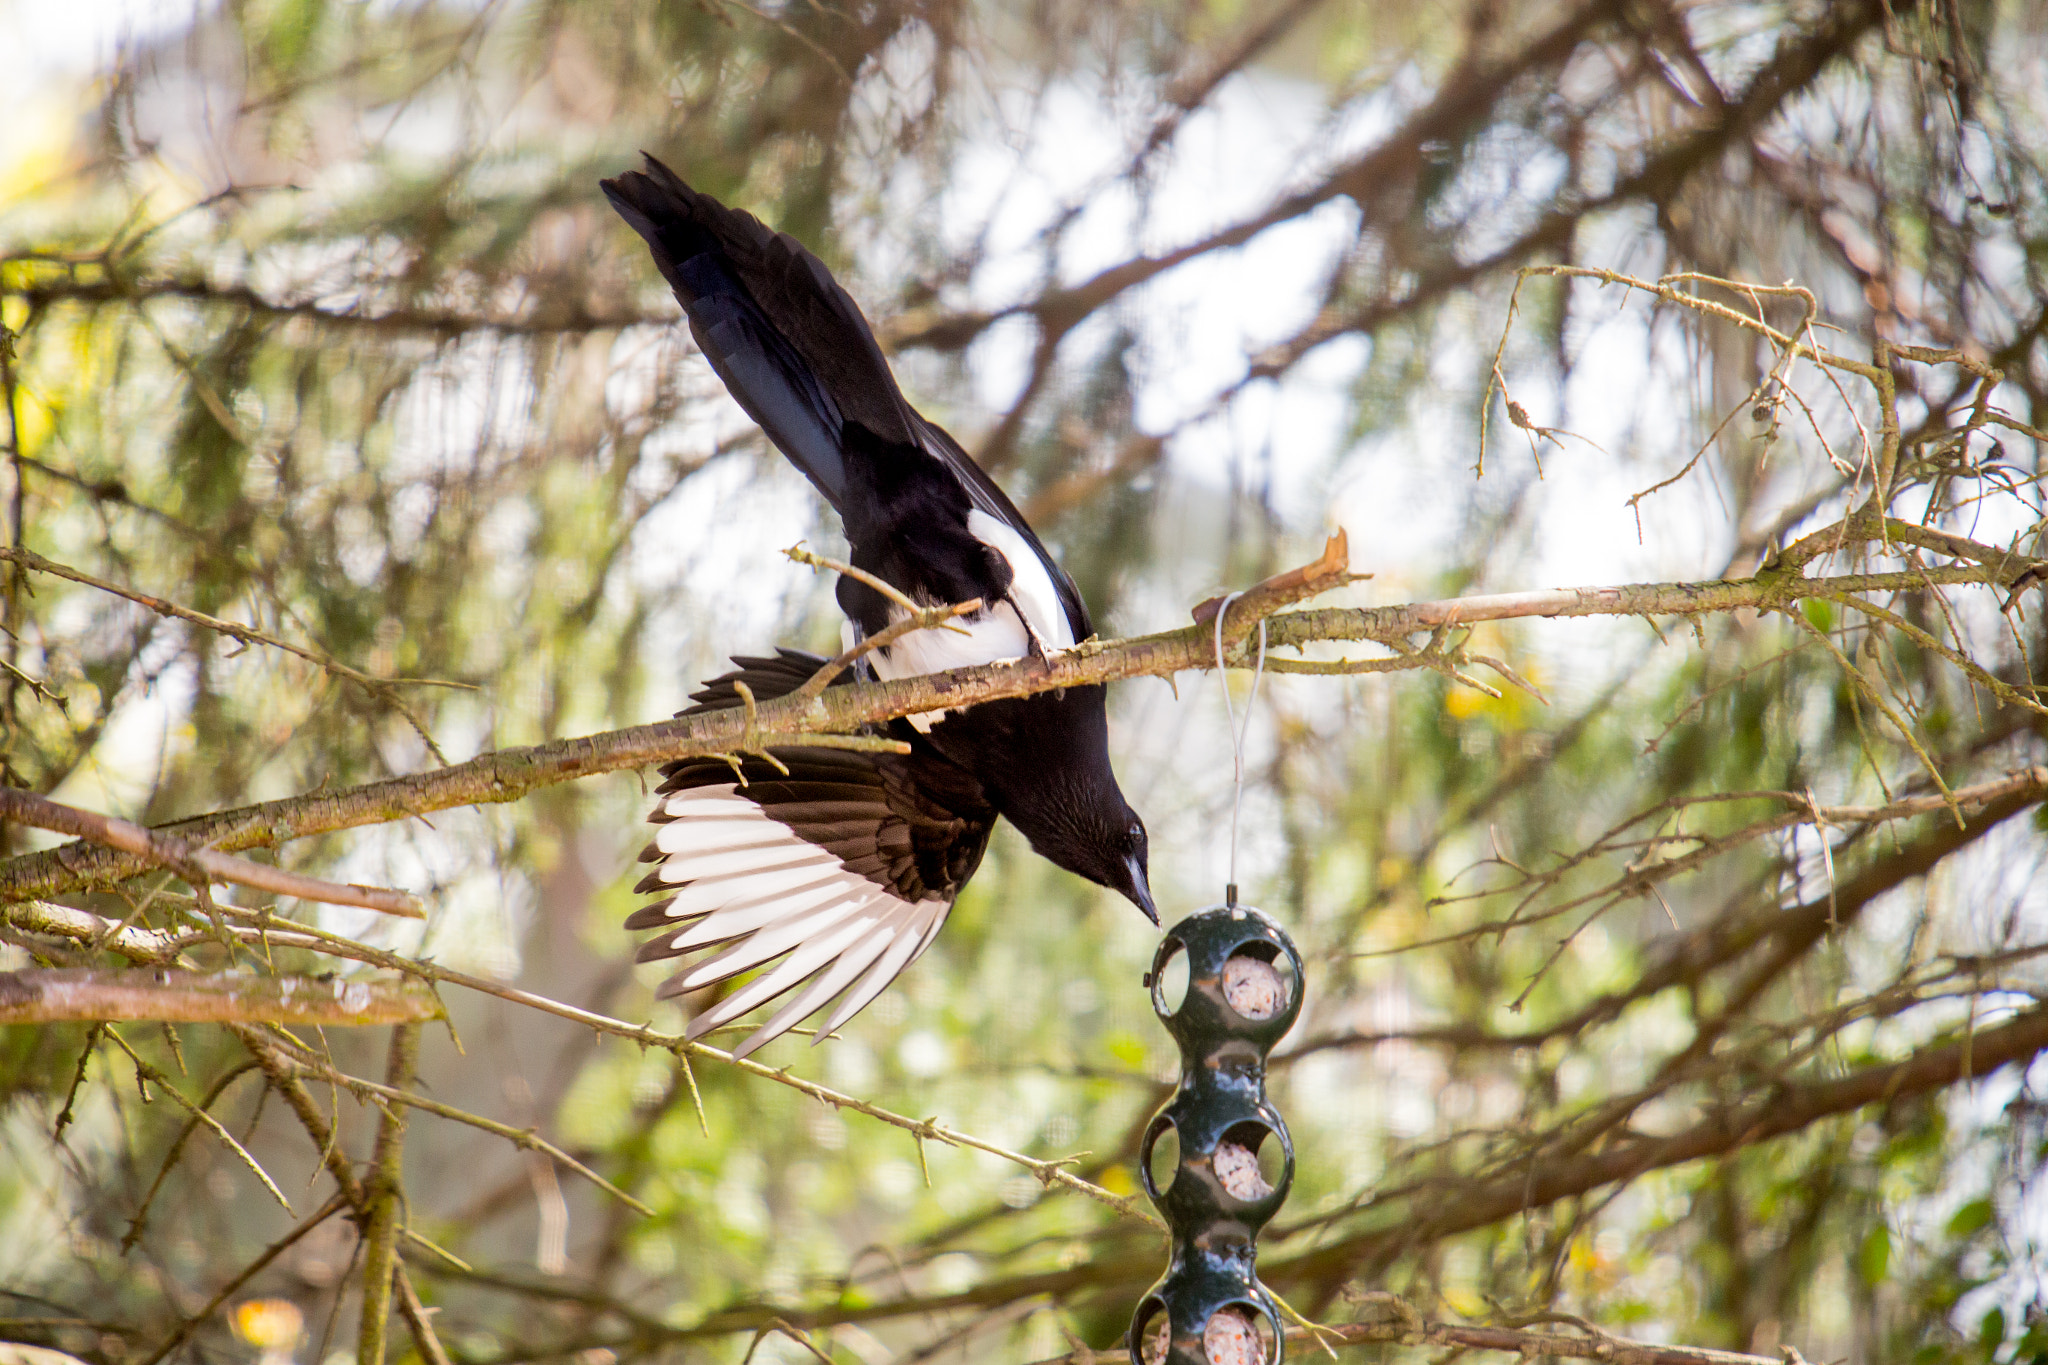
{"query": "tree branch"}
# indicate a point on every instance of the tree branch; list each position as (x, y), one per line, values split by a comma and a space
(386, 1097)
(509, 774)
(48, 997)
(61, 921)
(145, 1075)
(428, 322)
(283, 1070)
(1781, 1109)
(383, 1192)
(197, 865)
(282, 1074)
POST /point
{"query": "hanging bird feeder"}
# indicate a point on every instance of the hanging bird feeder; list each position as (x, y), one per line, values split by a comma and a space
(1243, 994)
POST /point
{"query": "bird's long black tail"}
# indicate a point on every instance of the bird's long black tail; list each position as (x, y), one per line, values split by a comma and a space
(690, 235)
(767, 678)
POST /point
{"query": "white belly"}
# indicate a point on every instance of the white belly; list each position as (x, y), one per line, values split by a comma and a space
(995, 633)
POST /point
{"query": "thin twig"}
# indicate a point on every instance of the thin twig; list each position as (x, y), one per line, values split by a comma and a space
(135, 944)
(889, 590)
(140, 1218)
(521, 1137)
(196, 864)
(419, 1318)
(925, 618)
(281, 1066)
(383, 689)
(50, 996)
(1871, 694)
(169, 1087)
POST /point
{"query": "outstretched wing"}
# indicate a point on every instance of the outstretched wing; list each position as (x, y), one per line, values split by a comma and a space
(841, 864)
(789, 343)
(795, 351)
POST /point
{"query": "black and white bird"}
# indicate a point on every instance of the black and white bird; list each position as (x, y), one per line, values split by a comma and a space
(845, 865)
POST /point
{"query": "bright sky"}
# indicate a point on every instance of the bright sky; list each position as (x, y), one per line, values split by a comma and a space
(41, 42)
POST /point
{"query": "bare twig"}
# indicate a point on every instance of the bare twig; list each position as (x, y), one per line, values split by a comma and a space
(135, 944)
(165, 1085)
(383, 689)
(1331, 569)
(895, 594)
(1871, 694)
(1677, 854)
(53, 996)
(393, 322)
(140, 1219)
(283, 1069)
(1047, 1172)
(419, 1318)
(196, 864)
(387, 1096)
(508, 774)
(925, 618)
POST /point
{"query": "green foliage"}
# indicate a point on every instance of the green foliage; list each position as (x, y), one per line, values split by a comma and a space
(359, 360)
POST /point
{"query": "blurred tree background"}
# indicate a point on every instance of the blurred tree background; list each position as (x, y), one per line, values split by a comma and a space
(1682, 998)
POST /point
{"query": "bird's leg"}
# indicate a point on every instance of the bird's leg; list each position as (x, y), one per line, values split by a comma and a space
(1038, 649)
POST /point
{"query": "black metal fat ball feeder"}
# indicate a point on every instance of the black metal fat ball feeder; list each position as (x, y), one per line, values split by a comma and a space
(1243, 994)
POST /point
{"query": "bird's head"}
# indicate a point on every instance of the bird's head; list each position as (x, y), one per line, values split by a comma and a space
(1056, 785)
(1132, 873)
(1094, 833)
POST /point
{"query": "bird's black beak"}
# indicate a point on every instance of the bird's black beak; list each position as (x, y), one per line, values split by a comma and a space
(1140, 890)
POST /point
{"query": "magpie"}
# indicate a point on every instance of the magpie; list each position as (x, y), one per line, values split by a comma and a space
(844, 864)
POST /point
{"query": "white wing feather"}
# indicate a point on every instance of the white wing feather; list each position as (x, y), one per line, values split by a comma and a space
(757, 886)
(731, 921)
(996, 632)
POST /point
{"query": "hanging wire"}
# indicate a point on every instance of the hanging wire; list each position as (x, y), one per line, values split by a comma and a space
(1238, 731)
